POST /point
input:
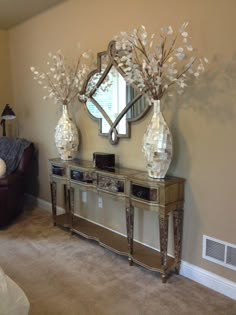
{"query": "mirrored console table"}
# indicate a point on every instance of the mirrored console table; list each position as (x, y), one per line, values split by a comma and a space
(136, 189)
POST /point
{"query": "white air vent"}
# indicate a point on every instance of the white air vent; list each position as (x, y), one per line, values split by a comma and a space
(219, 252)
(231, 256)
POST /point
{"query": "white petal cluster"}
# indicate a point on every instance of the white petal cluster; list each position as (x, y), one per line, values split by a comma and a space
(63, 82)
(154, 65)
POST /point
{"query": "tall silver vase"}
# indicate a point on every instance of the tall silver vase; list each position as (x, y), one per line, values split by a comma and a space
(157, 144)
(66, 136)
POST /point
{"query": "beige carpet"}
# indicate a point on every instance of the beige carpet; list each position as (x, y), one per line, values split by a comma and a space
(66, 275)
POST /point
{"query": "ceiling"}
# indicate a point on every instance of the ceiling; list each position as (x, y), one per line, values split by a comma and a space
(13, 12)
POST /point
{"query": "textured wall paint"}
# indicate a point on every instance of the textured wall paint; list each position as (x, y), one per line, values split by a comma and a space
(203, 120)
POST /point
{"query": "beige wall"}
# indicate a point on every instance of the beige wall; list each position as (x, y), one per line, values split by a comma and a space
(203, 121)
(5, 76)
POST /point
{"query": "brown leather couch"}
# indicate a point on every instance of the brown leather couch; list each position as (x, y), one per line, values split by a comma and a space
(12, 189)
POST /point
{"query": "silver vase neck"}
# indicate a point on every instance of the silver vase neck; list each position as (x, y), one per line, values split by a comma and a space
(156, 106)
(64, 110)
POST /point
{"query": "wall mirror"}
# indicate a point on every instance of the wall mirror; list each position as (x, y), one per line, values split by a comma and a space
(110, 100)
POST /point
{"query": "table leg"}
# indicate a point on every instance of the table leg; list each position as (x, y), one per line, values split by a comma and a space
(130, 231)
(163, 227)
(53, 186)
(177, 224)
(67, 206)
(71, 205)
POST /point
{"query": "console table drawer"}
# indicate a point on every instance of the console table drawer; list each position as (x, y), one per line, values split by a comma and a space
(58, 170)
(83, 176)
(145, 193)
(110, 184)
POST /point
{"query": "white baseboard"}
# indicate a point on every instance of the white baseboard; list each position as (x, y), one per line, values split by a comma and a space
(40, 203)
(197, 274)
(208, 279)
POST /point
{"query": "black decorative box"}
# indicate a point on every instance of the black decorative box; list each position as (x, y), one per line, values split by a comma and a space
(104, 161)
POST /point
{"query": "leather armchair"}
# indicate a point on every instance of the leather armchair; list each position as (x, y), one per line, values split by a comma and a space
(12, 189)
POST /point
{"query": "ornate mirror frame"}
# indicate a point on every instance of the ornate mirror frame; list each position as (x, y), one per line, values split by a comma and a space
(88, 92)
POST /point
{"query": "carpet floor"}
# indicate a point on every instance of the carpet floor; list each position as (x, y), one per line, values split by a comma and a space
(63, 274)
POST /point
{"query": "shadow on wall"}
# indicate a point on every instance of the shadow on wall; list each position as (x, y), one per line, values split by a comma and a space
(205, 94)
(32, 182)
(213, 98)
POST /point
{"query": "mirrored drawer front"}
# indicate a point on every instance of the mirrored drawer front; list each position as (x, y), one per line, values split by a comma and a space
(83, 176)
(145, 193)
(111, 184)
(58, 170)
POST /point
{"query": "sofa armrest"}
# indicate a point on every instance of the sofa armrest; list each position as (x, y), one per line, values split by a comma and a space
(10, 179)
(26, 158)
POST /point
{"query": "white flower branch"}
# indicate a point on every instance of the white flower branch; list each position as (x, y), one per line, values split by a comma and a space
(62, 81)
(153, 67)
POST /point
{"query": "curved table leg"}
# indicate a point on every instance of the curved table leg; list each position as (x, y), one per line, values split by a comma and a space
(130, 231)
(163, 226)
(177, 224)
(53, 187)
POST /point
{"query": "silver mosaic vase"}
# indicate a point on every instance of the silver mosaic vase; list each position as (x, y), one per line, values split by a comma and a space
(157, 144)
(66, 136)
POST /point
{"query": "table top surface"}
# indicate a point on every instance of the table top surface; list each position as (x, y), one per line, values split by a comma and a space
(134, 175)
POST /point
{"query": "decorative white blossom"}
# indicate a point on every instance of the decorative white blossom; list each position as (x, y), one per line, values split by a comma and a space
(62, 81)
(154, 67)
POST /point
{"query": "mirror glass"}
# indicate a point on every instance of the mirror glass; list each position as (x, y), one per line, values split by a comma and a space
(111, 100)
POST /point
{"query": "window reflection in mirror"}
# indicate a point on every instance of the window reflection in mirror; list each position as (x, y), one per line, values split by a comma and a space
(113, 95)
